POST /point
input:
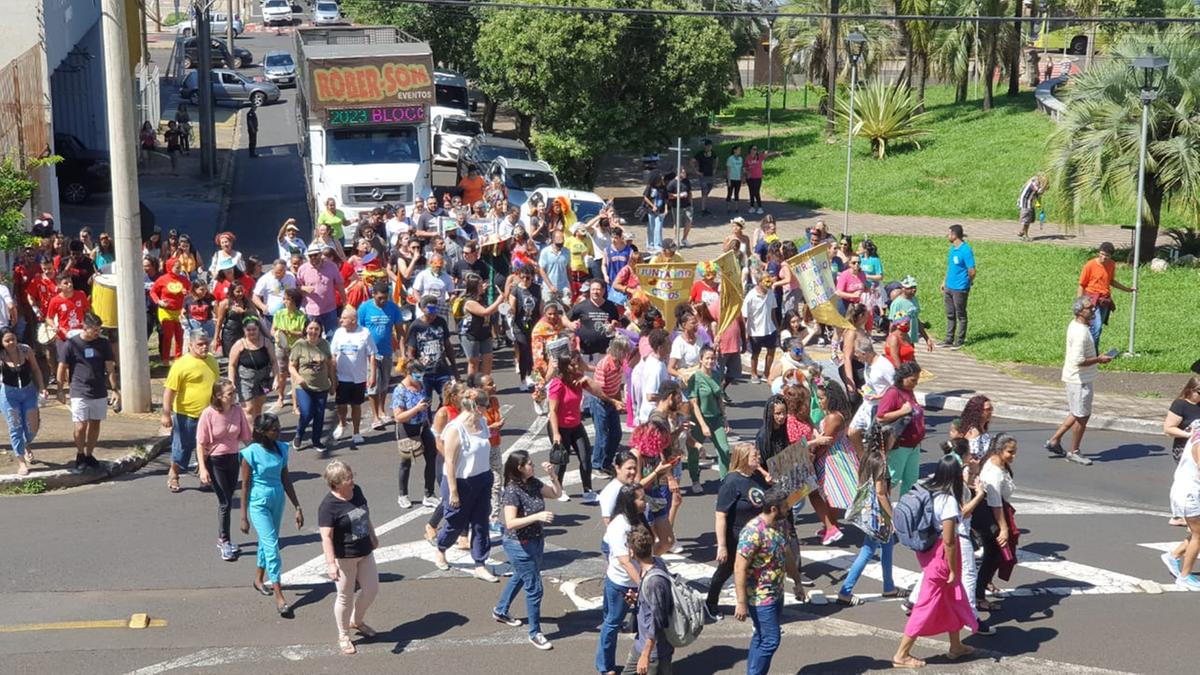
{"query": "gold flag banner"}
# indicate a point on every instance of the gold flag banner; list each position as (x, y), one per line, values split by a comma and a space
(815, 274)
(667, 285)
(792, 471)
(731, 290)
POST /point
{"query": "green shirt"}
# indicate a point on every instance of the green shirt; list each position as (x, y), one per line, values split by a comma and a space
(334, 221)
(733, 167)
(706, 392)
(291, 322)
(312, 362)
(902, 306)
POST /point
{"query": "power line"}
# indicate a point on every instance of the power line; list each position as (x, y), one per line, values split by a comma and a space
(772, 16)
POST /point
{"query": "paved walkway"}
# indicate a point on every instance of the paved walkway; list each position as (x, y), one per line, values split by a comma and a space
(956, 376)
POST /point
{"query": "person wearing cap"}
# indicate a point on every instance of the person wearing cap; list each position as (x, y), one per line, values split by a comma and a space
(321, 282)
(906, 305)
(428, 347)
(897, 347)
(80, 267)
(44, 226)
(1096, 281)
(579, 246)
(704, 162)
(1079, 371)
(960, 275)
(667, 253)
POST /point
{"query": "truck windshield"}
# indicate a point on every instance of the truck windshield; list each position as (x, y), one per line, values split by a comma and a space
(528, 181)
(451, 96)
(461, 126)
(372, 146)
(489, 152)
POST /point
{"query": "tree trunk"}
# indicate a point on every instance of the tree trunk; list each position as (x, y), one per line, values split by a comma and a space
(524, 127)
(989, 69)
(489, 115)
(962, 83)
(922, 78)
(1014, 56)
(831, 66)
(1091, 45)
(735, 75)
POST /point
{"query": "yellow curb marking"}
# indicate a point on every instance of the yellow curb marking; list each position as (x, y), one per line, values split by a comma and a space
(136, 622)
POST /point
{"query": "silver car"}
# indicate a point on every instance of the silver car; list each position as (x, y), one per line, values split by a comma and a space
(280, 68)
(326, 13)
(230, 86)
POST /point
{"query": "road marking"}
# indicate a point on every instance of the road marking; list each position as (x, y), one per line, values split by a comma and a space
(1049, 505)
(1164, 546)
(137, 621)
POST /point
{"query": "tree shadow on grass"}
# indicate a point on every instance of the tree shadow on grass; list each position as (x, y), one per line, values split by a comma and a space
(989, 335)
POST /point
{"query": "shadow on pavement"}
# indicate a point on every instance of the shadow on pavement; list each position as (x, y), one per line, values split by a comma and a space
(423, 628)
(847, 664)
(715, 659)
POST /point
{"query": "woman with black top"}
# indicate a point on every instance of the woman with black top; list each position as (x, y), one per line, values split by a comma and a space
(410, 410)
(1184, 412)
(524, 498)
(476, 326)
(524, 296)
(22, 384)
(252, 367)
(348, 540)
(232, 311)
(738, 502)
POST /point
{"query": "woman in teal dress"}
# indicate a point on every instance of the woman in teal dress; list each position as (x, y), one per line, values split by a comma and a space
(265, 481)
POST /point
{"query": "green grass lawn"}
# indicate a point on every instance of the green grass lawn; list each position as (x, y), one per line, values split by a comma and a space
(1021, 303)
(972, 164)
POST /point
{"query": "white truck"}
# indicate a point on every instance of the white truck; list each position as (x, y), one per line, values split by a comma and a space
(362, 103)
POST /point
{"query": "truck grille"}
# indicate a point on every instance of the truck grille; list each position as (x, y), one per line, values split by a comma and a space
(374, 195)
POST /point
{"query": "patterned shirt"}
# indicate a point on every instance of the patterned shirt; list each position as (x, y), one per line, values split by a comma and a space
(527, 497)
(763, 546)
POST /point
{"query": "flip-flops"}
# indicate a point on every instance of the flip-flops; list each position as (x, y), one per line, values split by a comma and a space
(852, 601)
(347, 645)
(262, 590)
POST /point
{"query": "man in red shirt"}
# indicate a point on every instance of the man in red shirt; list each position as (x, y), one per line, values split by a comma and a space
(1096, 281)
(66, 310)
(169, 292)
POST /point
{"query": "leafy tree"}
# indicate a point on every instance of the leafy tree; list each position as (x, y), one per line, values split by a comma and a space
(16, 189)
(450, 31)
(1094, 151)
(600, 83)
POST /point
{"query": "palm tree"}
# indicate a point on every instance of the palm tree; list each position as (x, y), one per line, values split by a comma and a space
(746, 33)
(1094, 151)
(993, 35)
(953, 45)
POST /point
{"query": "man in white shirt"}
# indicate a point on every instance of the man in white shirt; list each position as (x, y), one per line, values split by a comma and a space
(433, 280)
(880, 375)
(759, 309)
(1078, 372)
(269, 290)
(654, 372)
(353, 351)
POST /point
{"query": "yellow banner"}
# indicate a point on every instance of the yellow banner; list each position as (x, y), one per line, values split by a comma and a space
(815, 274)
(667, 285)
(731, 290)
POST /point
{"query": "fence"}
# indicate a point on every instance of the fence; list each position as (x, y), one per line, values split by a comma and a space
(24, 131)
(146, 94)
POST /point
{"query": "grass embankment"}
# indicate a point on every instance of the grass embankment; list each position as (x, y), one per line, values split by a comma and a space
(1021, 303)
(971, 165)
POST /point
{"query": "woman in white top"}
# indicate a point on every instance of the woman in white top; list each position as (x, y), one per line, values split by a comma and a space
(990, 522)
(1185, 502)
(467, 483)
(623, 574)
(685, 349)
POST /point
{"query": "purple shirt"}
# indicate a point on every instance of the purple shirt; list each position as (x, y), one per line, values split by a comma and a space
(323, 279)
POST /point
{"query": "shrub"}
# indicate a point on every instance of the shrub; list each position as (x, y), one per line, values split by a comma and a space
(884, 114)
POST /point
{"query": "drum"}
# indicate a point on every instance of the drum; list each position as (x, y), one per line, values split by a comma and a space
(104, 299)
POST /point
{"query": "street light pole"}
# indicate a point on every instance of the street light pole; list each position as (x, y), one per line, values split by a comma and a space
(855, 43)
(770, 74)
(1150, 66)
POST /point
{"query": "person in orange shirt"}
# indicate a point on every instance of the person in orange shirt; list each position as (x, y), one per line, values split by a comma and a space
(1096, 281)
(472, 185)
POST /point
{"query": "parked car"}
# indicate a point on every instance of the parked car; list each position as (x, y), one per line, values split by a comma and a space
(485, 148)
(220, 54)
(586, 205)
(217, 25)
(326, 13)
(280, 68)
(82, 171)
(521, 177)
(230, 86)
(450, 134)
(277, 12)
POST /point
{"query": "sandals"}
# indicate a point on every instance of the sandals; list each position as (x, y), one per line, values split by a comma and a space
(966, 651)
(173, 484)
(852, 601)
(347, 645)
(285, 611)
(911, 663)
(895, 593)
(987, 605)
(364, 630)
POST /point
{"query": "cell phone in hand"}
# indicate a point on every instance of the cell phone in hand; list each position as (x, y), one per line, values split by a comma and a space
(1112, 353)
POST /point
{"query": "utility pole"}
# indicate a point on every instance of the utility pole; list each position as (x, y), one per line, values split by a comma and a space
(127, 230)
(678, 184)
(770, 74)
(229, 27)
(208, 130)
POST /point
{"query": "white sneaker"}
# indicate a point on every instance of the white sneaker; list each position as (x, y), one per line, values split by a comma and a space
(431, 502)
(685, 243)
(524, 386)
(676, 547)
(338, 432)
(564, 497)
(590, 497)
(404, 502)
(538, 640)
(358, 439)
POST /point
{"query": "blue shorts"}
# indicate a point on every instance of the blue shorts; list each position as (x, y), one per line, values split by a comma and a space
(661, 492)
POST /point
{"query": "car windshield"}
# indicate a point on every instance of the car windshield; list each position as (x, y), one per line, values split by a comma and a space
(585, 211)
(527, 181)
(276, 4)
(279, 61)
(461, 126)
(372, 146)
(451, 96)
(327, 7)
(487, 153)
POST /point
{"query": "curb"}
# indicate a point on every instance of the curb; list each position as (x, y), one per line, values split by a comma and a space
(1027, 413)
(59, 479)
(226, 176)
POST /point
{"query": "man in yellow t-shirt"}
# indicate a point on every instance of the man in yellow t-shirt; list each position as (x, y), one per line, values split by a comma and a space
(334, 218)
(187, 392)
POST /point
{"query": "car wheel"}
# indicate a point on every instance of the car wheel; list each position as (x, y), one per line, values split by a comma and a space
(238, 63)
(73, 192)
(258, 99)
(187, 32)
(1079, 44)
(194, 97)
(187, 63)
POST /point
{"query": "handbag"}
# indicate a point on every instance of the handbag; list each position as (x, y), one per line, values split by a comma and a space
(408, 448)
(558, 455)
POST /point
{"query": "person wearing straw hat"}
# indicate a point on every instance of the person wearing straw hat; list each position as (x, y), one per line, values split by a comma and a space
(906, 305)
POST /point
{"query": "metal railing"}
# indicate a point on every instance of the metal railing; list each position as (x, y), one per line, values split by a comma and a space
(147, 92)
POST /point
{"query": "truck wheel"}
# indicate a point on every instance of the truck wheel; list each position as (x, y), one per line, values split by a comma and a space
(1079, 44)
(187, 63)
(258, 98)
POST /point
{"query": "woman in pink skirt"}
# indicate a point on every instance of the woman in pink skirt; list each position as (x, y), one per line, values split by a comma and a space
(943, 607)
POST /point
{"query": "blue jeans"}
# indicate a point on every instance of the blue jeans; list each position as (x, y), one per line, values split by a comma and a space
(654, 229)
(868, 550)
(606, 421)
(312, 411)
(183, 439)
(17, 403)
(434, 383)
(614, 613)
(765, 640)
(526, 561)
(329, 323)
(1097, 325)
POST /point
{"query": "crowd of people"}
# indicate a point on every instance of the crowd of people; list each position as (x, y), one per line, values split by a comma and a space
(373, 326)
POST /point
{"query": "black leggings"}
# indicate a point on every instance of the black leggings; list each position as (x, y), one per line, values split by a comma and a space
(575, 440)
(984, 524)
(720, 576)
(524, 354)
(224, 471)
(429, 452)
(755, 187)
(733, 191)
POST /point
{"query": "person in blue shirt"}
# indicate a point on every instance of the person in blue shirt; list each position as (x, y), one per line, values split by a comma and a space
(265, 482)
(554, 261)
(381, 317)
(615, 259)
(960, 274)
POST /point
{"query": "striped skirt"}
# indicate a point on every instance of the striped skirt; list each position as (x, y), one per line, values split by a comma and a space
(837, 473)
